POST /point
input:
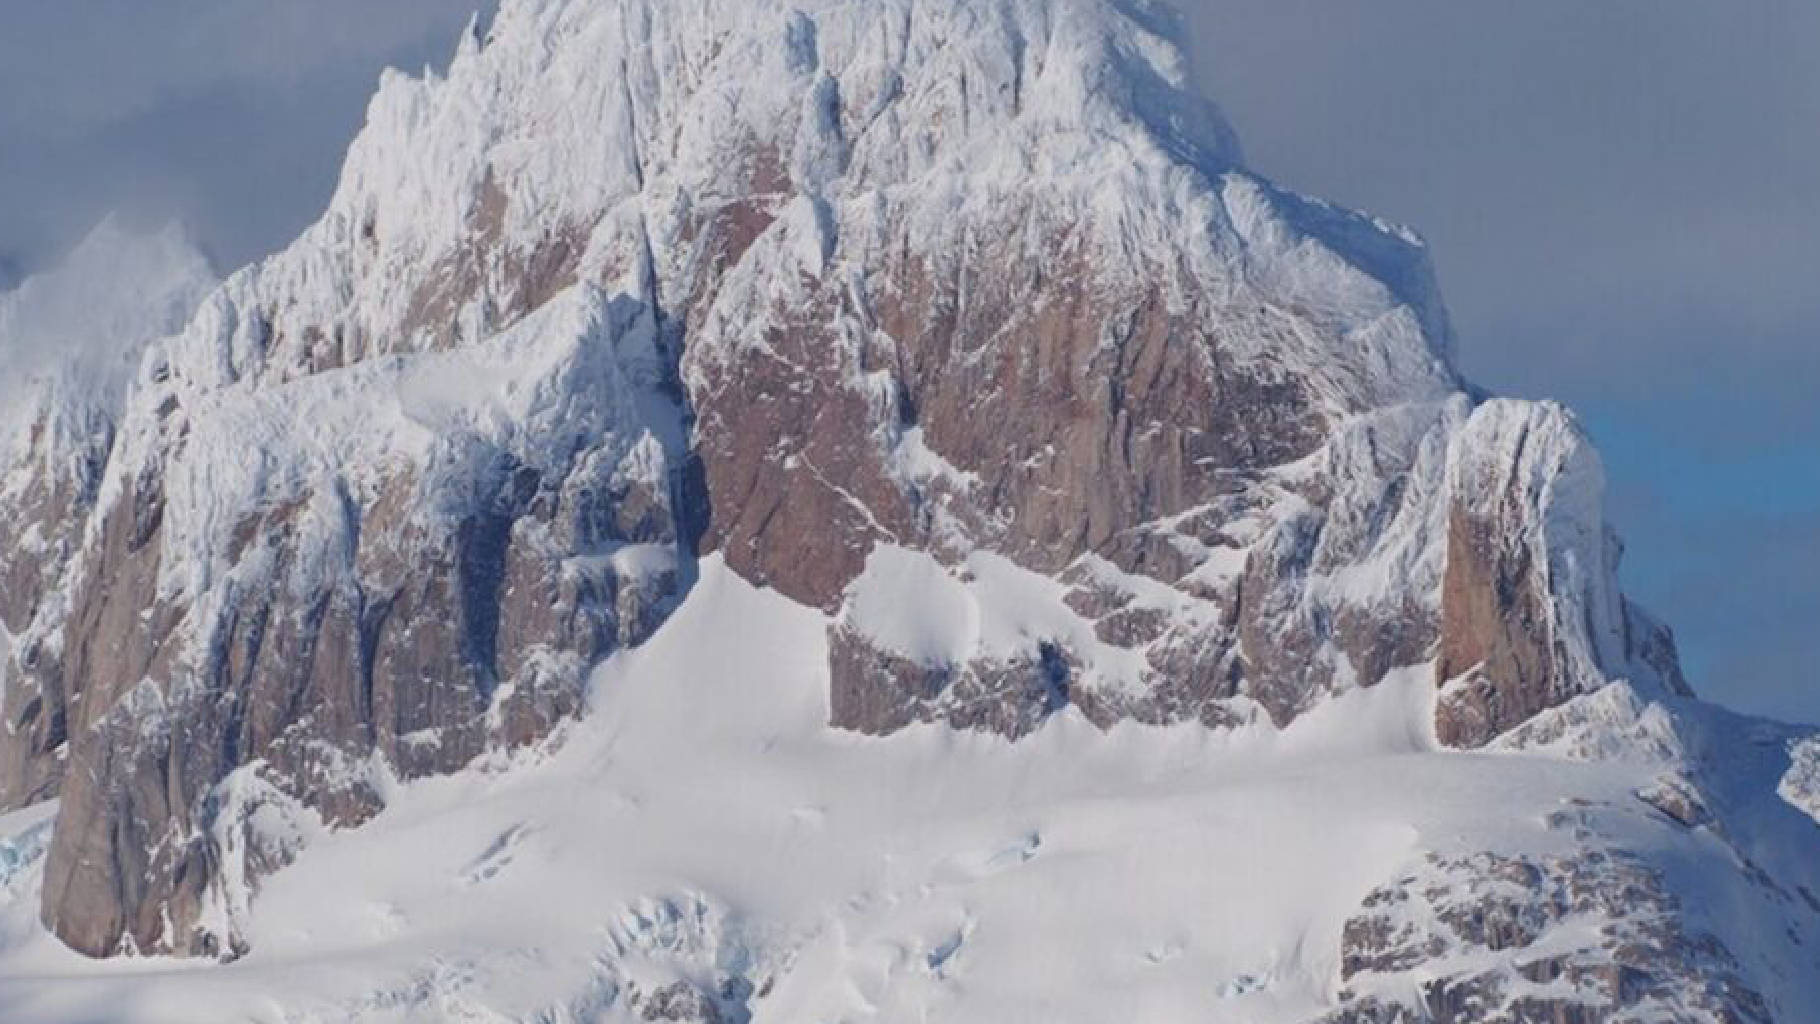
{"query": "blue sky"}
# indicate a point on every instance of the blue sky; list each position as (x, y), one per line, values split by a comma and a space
(1623, 197)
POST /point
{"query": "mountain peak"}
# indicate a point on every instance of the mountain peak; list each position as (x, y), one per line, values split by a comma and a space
(762, 375)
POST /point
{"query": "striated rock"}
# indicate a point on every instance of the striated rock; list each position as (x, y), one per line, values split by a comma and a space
(1529, 612)
(961, 322)
(70, 339)
(409, 571)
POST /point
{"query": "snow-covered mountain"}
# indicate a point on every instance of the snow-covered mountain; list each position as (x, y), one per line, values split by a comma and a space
(70, 341)
(744, 511)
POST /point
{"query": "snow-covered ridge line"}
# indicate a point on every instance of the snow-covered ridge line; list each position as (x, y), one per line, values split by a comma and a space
(72, 342)
(701, 840)
(965, 304)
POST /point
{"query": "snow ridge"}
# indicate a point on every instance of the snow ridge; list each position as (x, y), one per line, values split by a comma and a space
(875, 365)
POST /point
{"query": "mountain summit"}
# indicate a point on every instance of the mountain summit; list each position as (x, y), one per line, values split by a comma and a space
(709, 442)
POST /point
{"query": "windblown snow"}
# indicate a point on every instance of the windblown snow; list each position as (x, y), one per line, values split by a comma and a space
(700, 845)
(701, 830)
(72, 338)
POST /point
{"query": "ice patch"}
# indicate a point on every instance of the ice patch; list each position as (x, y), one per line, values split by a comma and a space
(20, 855)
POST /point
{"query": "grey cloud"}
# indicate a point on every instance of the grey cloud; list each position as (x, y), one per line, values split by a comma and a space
(1623, 200)
(230, 114)
(1639, 166)
(100, 61)
(1623, 197)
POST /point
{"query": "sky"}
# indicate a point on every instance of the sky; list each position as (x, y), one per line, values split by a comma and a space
(233, 114)
(1622, 197)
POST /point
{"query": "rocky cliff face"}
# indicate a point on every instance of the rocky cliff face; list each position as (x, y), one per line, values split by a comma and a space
(70, 340)
(959, 321)
(1502, 912)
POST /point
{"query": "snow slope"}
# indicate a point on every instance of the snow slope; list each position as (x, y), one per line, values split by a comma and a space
(701, 825)
(1050, 418)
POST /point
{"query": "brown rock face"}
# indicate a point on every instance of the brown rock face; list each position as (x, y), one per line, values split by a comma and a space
(39, 566)
(1494, 639)
(798, 492)
(1083, 409)
(435, 648)
(392, 615)
(1080, 417)
(1530, 613)
(1081, 412)
(1077, 415)
(68, 337)
(1189, 445)
(33, 725)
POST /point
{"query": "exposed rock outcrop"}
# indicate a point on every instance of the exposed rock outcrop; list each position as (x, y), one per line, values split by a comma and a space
(1530, 611)
(381, 586)
(1432, 935)
(70, 340)
(965, 311)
